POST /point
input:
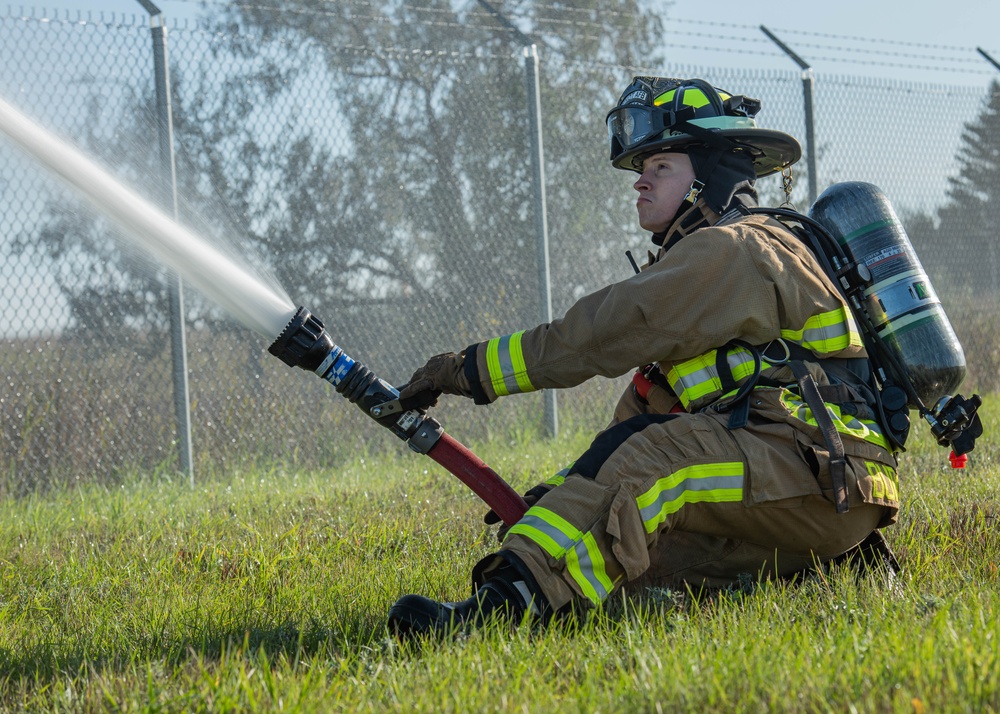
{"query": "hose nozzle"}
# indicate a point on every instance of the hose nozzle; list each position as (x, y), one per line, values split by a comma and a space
(303, 343)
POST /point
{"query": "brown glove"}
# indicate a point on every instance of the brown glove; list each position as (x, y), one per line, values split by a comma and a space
(443, 374)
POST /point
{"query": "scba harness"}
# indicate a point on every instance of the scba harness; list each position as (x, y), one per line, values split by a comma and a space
(856, 217)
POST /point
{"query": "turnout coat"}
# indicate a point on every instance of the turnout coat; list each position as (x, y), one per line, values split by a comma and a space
(715, 464)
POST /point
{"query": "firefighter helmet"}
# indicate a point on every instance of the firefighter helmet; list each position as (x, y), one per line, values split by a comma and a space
(657, 114)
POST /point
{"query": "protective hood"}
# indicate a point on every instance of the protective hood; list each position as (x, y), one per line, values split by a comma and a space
(725, 175)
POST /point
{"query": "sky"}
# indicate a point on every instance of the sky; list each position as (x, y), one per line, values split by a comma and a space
(907, 39)
(902, 39)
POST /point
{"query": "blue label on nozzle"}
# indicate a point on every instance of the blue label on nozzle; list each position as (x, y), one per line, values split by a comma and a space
(341, 366)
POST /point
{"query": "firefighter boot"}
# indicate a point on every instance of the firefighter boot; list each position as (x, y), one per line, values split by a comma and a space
(506, 596)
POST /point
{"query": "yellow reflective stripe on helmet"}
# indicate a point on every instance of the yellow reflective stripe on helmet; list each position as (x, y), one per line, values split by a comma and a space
(692, 97)
(505, 362)
(702, 483)
(846, 424)
(561, 539)
(664, 98)
(827, 332)
(699, 377)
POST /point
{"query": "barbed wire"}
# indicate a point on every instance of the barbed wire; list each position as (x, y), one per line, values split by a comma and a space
(587, 27)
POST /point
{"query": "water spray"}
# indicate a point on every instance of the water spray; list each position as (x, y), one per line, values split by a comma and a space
(302, 339)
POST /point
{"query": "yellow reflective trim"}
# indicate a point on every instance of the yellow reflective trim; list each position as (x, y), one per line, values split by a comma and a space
(557, 521)
(694, 97)
(885, 483)
(493, 366)
(505, 364)
(864, 429)
(741, 364)
(517, 360)
(847, 336)
(559, 477)
(664, 98)
(693, 365)
(599, 570)
(573, 567)
(721, 468)
(659, 501)
(541, 538)
(698, 98)
(534, 525)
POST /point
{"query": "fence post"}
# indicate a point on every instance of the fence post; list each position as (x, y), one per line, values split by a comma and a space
(178, 346)
(810, 121)
(989, 59)
(541, 213)
(551, 409)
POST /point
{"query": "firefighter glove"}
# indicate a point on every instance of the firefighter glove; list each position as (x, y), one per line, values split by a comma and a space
(443, 374)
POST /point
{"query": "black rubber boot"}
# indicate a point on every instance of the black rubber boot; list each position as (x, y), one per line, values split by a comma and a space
(505, 596)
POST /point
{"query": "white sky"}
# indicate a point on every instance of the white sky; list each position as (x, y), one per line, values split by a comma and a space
(915, 34)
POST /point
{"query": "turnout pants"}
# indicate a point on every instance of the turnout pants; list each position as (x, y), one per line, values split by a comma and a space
(681, 499)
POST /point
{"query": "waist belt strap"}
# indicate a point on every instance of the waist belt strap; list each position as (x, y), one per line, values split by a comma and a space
(739, 406)
(831, 437)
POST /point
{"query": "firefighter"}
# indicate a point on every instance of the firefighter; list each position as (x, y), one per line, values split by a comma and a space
(746, 444)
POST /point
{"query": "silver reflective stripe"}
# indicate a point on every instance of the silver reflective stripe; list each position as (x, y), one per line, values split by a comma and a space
(506, 365)
(588, 569)
(820, 336)
(720, 482)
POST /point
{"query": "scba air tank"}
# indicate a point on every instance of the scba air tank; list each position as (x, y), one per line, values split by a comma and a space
(901, 302)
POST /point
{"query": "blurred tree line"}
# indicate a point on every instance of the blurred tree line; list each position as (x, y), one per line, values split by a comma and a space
(969, 220)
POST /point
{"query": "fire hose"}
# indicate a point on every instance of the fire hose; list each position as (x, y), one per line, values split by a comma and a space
(305, 343)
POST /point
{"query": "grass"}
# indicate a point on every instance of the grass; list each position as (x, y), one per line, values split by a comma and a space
(267, 590)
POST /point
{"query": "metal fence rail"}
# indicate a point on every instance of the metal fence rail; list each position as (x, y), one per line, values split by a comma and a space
(86, 389)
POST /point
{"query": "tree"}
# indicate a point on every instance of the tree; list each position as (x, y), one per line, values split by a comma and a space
(969, 221)
(439, 168)
(959, 249)
(109, 291)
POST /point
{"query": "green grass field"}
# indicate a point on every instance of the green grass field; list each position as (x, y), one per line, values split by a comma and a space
(267, 591)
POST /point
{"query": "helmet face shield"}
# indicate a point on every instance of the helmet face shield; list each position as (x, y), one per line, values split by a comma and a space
(631, 126)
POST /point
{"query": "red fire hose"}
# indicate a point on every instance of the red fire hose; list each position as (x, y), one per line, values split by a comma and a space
(484, 481)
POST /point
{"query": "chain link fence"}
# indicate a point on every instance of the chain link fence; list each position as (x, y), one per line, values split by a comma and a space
(408, 232)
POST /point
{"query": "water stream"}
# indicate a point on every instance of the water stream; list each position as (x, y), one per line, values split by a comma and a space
(234, 288)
